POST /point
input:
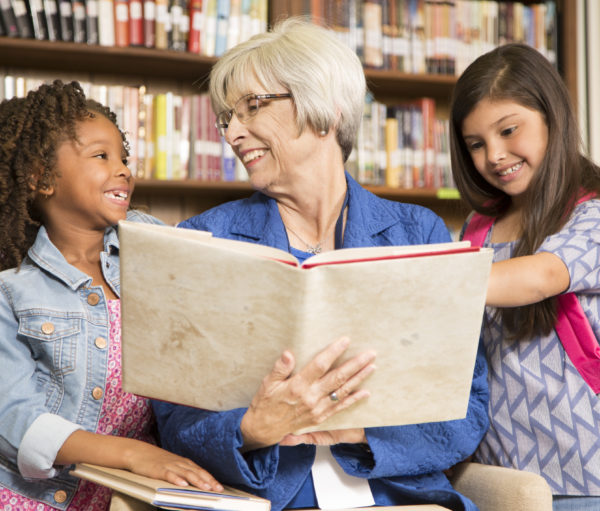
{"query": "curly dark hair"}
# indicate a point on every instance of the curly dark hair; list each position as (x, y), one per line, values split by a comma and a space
(31, 129)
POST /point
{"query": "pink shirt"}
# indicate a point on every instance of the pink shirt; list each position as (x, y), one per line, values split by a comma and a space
(122, 414)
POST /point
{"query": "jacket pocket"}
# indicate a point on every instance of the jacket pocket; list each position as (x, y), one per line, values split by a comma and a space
(53, 340)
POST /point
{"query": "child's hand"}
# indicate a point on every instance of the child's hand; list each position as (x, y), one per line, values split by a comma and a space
(152, 461)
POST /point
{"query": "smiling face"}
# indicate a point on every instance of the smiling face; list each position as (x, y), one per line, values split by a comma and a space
(507, 143)
(268, 143)
(93, 185)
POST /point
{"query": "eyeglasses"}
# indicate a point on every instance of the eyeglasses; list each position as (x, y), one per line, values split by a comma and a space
(244, 109)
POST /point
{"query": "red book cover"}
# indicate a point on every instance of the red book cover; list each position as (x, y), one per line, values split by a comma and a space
(196, 26)
(121, 23)
(136, 23)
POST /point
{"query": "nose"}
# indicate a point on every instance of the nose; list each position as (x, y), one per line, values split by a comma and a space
(495, 152)
(124, 170)
(235, 131)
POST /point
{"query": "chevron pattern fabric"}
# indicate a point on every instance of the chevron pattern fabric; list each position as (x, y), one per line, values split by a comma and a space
(544, 417)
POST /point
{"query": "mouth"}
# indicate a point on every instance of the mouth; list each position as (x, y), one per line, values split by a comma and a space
(510, 170)
(119, 195)
(253, 155)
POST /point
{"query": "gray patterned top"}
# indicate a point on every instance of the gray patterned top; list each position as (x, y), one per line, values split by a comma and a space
(544, 417)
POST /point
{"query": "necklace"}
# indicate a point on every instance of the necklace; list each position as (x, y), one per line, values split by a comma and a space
(311, 249)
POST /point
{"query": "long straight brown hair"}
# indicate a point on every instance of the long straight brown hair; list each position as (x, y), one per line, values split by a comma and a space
(521, 74)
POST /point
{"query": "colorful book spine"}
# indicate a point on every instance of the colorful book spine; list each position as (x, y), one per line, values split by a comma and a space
(121, 17)
(149, 23)
(136, 23)
(196, 27)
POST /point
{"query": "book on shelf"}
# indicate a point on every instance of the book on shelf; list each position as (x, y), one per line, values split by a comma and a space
(214, 320)
(23, 20)
(136, 23)
(149, 23)
(121, 17)
(50, 13)
(65, 18)
(79, 21)
(91, 21)
(106, 22)
(167, 495)
(38, 19)
(179, 15)
(8, 19)
(162, 24)
(196, 27)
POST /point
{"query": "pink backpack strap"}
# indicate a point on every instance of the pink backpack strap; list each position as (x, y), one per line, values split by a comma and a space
(572, 326)
(477, 229)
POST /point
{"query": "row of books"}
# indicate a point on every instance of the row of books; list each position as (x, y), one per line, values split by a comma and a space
(435, 36)
(173, 136)
(402, 146)
(206, 27)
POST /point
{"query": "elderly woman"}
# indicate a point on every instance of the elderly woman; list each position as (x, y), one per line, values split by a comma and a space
(290, 102)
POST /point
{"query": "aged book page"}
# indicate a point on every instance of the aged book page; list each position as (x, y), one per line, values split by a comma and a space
(203, 324)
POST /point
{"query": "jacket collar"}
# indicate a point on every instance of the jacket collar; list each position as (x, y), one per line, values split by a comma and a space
(368, 216)
(44, 254)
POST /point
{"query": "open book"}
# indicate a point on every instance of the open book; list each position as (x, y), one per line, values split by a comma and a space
(204, 319)
(163, 494)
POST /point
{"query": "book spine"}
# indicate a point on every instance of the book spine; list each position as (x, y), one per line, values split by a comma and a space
(136, 23)
(196, 27)
(160, 136)
(222, 22)
(91, 11)
(149, 23)
(392, 171)
(162, 26)
(106, 22)
(79, 21)
(38, 21)
(50, 13)
(9, 21)
(22, 17)
(178, 13)
(121, 16)
(234, 26)
(210, 28)
(373, 42)
(65, 13)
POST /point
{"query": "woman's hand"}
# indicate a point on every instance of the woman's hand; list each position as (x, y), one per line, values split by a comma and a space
(339, 436)
(286, 403)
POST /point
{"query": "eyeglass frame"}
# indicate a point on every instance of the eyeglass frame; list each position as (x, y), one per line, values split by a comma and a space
(222, 126)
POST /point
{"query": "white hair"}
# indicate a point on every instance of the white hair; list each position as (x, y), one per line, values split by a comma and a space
(324, 76)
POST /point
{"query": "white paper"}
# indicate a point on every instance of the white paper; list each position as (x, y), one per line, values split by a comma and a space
(334, 488)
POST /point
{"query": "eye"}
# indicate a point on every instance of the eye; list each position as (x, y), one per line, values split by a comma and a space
(473, 146)
(508, 131)
(125, 161)
(101, 155)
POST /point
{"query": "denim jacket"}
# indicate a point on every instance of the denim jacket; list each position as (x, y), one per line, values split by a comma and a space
(54, 332)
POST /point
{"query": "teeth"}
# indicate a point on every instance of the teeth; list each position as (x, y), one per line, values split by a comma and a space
(512, 169)
(252, 155)
(117, 195)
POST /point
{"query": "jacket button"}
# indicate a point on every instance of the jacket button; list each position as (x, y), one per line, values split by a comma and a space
(93, 299)
(48, 328)
(97, 393)
(60, 496)
(100, 342)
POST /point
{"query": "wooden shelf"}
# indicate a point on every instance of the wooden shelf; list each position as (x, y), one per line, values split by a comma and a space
(16, 53)
(194, 187)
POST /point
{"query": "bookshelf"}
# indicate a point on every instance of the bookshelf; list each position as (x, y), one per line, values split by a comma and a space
(175, 200)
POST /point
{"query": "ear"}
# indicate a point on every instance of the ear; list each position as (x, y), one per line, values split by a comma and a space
(32, 182)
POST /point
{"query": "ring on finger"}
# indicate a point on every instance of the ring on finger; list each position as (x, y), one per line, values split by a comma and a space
(334, 397)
